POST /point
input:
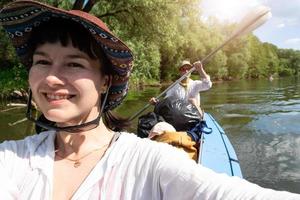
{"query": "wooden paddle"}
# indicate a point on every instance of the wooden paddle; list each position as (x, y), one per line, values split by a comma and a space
(255, 18)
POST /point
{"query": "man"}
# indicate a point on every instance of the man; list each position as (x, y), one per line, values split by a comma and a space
(189, 89)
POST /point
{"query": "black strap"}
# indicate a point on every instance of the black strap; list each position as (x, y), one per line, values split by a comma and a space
(201, 127)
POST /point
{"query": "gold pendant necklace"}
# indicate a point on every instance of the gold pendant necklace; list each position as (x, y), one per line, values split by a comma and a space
(77, 162)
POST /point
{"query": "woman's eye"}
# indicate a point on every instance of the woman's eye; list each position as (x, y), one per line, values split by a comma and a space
(76, 65)
(41, 62)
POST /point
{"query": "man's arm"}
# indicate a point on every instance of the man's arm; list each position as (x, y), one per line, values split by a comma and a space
(199, 67)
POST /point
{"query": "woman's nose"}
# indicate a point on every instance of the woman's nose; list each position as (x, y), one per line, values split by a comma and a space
(55, 77)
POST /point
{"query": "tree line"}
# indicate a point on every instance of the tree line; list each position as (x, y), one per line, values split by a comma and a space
(161, 34)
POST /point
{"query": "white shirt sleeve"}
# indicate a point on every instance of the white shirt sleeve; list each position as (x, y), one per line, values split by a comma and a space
(8, 189)
(181, 178)
(201, 85)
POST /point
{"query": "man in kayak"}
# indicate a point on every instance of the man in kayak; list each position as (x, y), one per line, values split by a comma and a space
(188, 89)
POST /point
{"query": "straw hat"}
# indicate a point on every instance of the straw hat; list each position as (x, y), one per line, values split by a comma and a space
(185, 63)
(20, 18)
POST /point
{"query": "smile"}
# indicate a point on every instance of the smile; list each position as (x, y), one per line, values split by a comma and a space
(52, 97)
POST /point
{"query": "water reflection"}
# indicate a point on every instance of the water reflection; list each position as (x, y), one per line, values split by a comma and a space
(271, 161)
(262, 121)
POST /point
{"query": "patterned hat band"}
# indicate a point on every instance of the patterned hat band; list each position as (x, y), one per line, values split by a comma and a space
(20, 18)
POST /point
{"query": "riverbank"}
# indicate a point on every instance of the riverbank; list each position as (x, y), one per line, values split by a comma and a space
(21, 95)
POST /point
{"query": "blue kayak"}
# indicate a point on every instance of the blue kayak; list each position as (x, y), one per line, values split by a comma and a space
(217, 153)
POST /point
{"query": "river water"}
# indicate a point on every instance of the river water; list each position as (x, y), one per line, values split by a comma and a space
(260, 117)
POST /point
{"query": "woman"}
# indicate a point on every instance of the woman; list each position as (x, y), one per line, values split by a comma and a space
(78, 71)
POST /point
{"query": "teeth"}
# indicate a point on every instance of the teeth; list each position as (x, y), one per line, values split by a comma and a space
(57, 97)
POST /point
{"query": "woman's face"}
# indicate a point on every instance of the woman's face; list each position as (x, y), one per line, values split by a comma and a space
(66, 83)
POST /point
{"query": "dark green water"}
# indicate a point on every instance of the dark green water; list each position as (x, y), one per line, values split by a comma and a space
(261, 119)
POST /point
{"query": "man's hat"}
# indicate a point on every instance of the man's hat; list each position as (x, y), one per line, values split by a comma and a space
(185, 63)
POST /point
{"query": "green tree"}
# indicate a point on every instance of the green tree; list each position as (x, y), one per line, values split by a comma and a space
(289, 61)
(258, 61)
(163, 33)
(237, 66)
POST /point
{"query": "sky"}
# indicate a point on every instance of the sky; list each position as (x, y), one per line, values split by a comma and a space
(282, 29)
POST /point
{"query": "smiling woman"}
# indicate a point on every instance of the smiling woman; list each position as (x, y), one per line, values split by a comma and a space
(65, 83)
(64, 80)
(58, 80)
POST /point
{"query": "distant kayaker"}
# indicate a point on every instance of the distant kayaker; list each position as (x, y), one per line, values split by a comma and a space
(79, 72)
(188, 89)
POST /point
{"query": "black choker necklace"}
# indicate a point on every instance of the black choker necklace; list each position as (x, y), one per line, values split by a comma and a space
(46, 124)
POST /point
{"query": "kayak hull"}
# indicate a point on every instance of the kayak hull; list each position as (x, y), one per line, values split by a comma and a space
(217, 152)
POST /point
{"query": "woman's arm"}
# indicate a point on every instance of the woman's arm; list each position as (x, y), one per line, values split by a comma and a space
(182, 178)
(8, 189)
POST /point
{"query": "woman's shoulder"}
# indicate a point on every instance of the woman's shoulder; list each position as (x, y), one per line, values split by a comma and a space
(24, 146)
(157, 157)
(131, 143)
(132, 140)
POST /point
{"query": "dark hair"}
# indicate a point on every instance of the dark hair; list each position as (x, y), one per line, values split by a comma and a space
(66, 31)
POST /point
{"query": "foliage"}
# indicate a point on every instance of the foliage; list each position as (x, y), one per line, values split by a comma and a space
(146, 62)
(14, 78)
(237, 67)
(290, 59)
(163, 33)
(7, 52)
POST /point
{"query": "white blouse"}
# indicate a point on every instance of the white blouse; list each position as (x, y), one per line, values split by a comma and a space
(131, 169)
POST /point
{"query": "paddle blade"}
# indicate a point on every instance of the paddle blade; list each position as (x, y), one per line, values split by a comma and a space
(252, 20)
